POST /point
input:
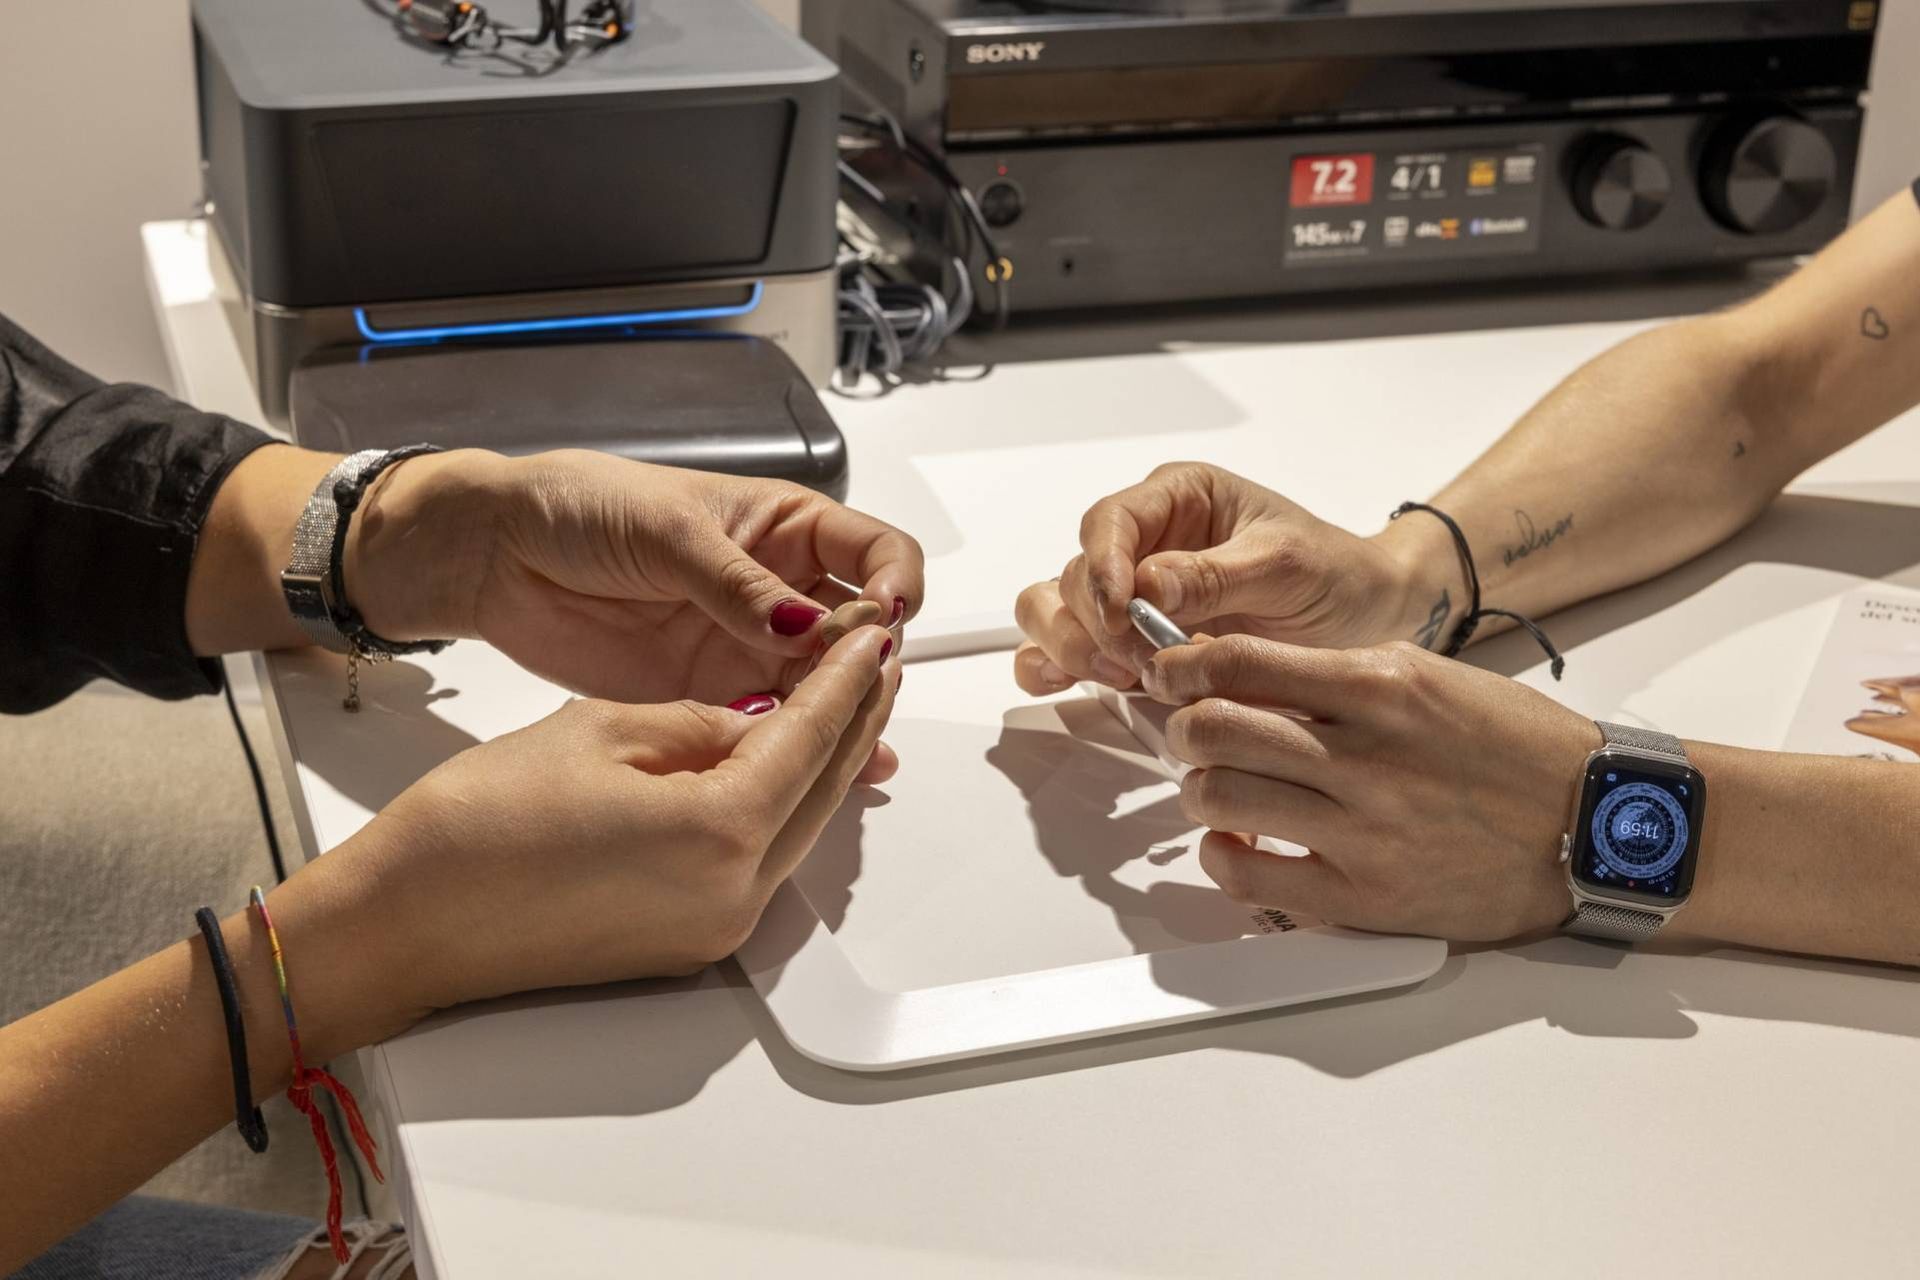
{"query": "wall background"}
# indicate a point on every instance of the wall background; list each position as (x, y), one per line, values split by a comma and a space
(97, 136)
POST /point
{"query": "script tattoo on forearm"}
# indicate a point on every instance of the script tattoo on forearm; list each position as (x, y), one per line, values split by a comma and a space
(1533, 538)
(1874, 325)
(1429, 634)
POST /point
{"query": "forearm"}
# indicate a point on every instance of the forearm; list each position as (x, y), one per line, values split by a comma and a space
(1668, 444)
(234, 598)
(1815, 854)
(100, 1091)
(1643, 458)
(234, 601)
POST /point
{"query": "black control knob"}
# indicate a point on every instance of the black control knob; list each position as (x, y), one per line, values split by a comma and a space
(1767, 175)
(1001, 204)
(1620, 184)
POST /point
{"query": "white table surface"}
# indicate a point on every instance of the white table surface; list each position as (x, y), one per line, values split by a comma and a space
(1560, 1107)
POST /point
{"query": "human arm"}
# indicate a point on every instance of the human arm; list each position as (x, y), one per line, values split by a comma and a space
(103, 491)
(1434, 794)
(1671, 442)
(612, 578)
(605, 842)
(1653, 452)
(140, 537)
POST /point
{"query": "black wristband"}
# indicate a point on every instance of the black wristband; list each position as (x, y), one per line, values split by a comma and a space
(246, 1116)
(1471, 622)
(347, 494)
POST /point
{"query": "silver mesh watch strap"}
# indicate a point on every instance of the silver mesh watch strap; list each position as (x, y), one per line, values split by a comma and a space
(1606, 919)
(1651, 741)
(305, 579)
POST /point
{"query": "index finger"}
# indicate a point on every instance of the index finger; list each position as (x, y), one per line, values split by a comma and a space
(1111, 536)
(1173, 508)
(786, 751)
(1322, 683)
(885, 563)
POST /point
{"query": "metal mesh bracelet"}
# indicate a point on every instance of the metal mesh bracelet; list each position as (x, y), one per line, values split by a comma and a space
(348, 492)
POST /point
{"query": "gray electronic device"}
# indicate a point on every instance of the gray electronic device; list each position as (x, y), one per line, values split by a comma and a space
(368, 192)
(1141, 152)
(709, 401)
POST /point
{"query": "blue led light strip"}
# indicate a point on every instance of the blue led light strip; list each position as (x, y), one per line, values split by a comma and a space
(435, 333)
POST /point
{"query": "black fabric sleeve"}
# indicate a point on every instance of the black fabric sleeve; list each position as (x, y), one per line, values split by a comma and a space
(103, 491)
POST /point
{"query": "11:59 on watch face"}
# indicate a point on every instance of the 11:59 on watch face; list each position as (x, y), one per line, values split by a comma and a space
(1639, 830)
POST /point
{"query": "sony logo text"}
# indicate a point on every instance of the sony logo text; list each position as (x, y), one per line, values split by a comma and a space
(1025, 51)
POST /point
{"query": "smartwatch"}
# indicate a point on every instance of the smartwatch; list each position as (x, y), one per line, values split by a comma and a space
(1635, 840)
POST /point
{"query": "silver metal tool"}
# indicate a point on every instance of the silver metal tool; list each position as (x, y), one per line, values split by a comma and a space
(1160, 630)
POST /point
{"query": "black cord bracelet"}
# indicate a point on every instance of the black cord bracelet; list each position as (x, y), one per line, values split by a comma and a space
(246, 1116)
(1471, 622)
(347, 495)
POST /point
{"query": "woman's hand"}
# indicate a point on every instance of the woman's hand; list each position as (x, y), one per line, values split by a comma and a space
(1220, 553)
(1431, 793)
(619, 579)
(605, 842)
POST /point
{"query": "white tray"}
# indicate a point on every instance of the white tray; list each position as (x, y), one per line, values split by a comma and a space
(1026, 879)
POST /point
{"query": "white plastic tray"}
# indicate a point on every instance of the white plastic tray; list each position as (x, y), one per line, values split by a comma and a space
(1026, 879)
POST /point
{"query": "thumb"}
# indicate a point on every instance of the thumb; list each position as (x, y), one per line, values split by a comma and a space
(749, 600)
(1192, 586)
(673, 737)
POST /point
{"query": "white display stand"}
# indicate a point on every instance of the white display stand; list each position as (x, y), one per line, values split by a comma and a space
(1026, 879)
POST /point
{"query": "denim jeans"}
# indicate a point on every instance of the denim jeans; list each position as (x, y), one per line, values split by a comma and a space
(144, 1238)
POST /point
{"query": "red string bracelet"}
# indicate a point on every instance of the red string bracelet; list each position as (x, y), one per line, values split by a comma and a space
(300, 1093)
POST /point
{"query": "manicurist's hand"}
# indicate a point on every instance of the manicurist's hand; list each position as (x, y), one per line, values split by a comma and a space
(1431, 793)
(605, 842)
(1219, 553)
(619, 579)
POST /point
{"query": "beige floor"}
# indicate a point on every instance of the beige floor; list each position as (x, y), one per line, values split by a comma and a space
(118, 817)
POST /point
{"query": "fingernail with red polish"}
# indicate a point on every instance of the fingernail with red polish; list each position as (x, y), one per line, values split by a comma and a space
(886, 650)
(794, 617)
(899, 611)
(754, 704)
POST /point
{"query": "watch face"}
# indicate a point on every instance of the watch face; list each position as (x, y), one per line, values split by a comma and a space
(1639, 831)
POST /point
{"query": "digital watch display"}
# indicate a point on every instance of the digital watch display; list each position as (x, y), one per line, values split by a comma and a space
(1638, 834)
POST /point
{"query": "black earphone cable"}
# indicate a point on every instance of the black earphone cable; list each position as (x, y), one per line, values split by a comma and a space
(259, 786)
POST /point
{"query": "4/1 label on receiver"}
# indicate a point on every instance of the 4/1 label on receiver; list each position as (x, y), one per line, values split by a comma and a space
(1361, 207)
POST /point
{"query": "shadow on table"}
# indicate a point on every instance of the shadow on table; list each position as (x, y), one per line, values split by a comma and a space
(1873, 540)
(1073, 796)
(1585, 988)
(372, 755)
(656, 1044)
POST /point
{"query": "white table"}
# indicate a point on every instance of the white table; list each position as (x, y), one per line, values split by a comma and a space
(1555, 1108)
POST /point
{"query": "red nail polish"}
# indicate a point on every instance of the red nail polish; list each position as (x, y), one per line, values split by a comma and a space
(899, 611)
(886, 650)
(754, 704)
(794, 617)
